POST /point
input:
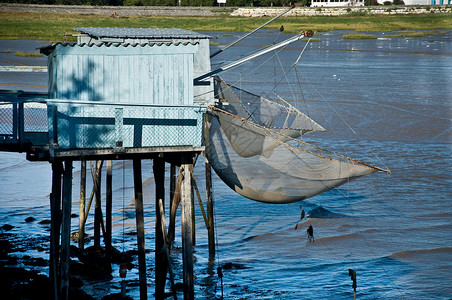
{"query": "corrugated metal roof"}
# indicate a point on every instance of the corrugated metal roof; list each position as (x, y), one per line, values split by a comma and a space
(46, 50)
(143, 33)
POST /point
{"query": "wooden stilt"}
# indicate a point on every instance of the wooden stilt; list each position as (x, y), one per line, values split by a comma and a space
(198, 196)
(97, 203)
(81, 224)
(209, 204)
(166, 246)
(186, 220)
(55, 203)
(193, 216)
(90, 202)
(91, 197)
(172, 184)
(66, 229)
(161, 261)
(174, 205)
(108, 212)
(172, 218)
(138, 183)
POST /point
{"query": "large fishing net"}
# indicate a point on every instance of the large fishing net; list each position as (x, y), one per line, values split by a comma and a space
(251, 146)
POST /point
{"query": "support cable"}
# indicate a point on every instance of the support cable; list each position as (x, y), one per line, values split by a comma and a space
(217, 253)
(123, 203)
(372, 250)
(345, 122)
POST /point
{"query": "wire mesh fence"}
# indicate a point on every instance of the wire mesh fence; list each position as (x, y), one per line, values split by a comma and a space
(20, 117)
(72, 125)
(88, 126)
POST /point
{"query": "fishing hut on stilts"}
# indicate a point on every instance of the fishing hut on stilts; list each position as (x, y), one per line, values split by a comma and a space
(122, 94)
(135, 94)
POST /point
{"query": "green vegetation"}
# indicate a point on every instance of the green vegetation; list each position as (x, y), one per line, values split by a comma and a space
(155, 2)
(358, 36)
(416, 33)
(53, 26)
(313, 40)
(27, 54)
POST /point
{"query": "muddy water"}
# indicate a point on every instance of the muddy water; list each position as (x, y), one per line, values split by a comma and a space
(394, 231)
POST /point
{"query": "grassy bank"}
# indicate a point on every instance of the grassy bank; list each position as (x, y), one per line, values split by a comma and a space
(52, 26)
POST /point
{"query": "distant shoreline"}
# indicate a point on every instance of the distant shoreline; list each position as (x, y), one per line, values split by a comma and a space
(27, 21)
(212, 11)
(164, 11)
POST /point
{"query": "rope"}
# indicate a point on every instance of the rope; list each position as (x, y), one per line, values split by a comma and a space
(301, 53)
(324, 100)
(348, 181)
(371, 250)
(345, 122)
(295, 150)
(123, 204)
(299, 142)
(275, 52)
(291, 67)
(123, 281)
(217, 252)
(347, 192)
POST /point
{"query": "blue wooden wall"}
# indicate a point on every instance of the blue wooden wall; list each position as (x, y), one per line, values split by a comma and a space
(150, 74)
(110, 96)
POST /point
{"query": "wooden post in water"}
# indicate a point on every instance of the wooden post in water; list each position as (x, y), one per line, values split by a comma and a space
(166, 248)
(198, 195)
(66, 229)
(186, 220)
(138, 184)
(108, 212)
(174, 205)
(161, 262)
(55, 203)
(209, 203)
(172, 184)
(97, 203)
(193, 216)
(193, 203)
(81, 224)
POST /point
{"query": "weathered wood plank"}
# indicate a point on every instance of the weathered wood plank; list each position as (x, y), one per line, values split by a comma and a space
(97, 202)
(186, 222)
(55, 203)
(161, 261)
(81, 224)
(166, 246)
(108, 212)
(138, 184)
(66, 229)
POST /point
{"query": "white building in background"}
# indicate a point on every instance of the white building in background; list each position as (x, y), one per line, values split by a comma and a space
(420, 2)
(336, 3)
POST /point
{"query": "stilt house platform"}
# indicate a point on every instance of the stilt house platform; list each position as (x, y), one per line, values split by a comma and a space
(118, 93)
